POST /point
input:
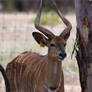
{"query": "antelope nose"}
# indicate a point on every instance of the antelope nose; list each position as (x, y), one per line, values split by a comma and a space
(62, 55)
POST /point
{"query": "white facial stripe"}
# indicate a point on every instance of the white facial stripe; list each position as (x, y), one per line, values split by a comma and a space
(15, 81)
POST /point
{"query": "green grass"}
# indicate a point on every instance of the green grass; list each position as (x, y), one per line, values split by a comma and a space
(48, 18)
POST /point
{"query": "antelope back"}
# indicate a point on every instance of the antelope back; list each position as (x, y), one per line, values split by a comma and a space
(24, 72)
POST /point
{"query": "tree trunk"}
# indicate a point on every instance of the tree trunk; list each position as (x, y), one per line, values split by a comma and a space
(84, 43)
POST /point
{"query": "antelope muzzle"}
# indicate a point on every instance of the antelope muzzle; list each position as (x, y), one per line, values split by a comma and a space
(61, 56)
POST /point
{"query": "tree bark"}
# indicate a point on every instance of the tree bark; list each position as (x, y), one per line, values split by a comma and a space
(84, 43)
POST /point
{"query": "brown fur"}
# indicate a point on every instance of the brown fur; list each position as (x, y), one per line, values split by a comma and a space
(27, 73)
(30, 72)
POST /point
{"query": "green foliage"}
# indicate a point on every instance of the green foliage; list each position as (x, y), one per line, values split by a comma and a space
(10, 5)
(48, 18)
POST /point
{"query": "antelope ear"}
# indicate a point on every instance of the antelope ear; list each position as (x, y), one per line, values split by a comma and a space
(40, 39)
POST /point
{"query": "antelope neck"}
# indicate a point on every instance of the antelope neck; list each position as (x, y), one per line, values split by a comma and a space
(53, 72)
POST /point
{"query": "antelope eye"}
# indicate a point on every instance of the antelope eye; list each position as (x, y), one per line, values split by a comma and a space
(52, 45)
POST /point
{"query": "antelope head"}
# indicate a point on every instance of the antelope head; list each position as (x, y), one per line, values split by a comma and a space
(56, 44)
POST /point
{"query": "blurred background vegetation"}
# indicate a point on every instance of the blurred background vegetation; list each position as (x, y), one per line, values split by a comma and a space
(27, 5)
(17, 24)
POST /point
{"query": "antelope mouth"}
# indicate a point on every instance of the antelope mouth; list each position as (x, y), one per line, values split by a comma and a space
(60, 58)
(53, 88)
